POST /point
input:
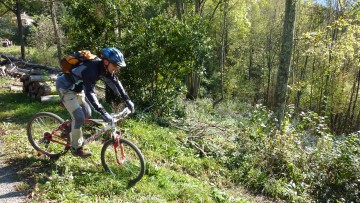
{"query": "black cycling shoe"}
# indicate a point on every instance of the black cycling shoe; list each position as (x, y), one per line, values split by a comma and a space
(80, 152)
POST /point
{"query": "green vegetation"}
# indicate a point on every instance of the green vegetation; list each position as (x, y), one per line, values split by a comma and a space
(10, 51)
(174, 173)
(199, 150)
(207, 156)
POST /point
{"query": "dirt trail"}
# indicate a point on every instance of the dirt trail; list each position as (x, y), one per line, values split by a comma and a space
(9, 183)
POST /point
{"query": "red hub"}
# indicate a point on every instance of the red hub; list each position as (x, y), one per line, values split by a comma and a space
(47, 136)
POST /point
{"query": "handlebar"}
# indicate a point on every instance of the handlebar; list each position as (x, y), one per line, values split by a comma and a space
(121, 115)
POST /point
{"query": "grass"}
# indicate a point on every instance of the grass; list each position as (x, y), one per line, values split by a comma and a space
(175, 173)
(33, 55)
(11, 51)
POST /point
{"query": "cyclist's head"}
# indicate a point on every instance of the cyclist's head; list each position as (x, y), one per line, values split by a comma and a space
(113, 55)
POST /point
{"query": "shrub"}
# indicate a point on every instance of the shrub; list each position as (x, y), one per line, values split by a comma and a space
(333, 169)
(302, 163)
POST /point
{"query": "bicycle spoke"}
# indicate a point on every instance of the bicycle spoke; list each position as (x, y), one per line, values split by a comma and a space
(39, 132)
(128, 163)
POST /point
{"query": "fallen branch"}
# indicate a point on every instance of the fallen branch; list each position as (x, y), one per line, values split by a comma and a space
(11, 59)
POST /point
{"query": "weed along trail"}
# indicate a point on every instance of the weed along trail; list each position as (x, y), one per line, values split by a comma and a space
(9, 183)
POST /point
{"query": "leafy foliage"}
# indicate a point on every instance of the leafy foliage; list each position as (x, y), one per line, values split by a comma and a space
(164, 53)
(90, 25)
(298, 164)
(8, 29)
(41, 43)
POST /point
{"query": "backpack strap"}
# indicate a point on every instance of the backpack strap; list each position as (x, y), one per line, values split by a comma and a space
(69, 78)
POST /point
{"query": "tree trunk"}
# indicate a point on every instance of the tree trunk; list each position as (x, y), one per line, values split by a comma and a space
(353, 124)
(193, 78)
(347, 123)
(285, 60)
(197, 6)
(56, 28)
(16, 8)
(302, 78)
(312, 85)
(193, 84)
(223, 52)
(179, 9)
(269, 65)
(20, 28)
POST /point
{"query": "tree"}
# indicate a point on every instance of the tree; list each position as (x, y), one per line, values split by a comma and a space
(15, 6)
(52, 7)
(8, 29)
(285, 60)
(192, 79)
(224, 40)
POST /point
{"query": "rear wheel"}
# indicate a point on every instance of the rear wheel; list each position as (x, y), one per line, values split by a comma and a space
(41, 136)
(130, 164)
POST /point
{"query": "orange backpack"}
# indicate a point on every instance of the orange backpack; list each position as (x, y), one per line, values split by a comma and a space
(75, 59)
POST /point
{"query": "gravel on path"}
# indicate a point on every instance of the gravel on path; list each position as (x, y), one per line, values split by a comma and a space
(9, 183)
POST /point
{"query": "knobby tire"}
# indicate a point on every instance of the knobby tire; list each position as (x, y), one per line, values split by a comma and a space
(132, 169)
(38, 125)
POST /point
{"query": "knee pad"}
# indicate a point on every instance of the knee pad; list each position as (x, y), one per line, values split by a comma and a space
(87, 110)
(79, 118)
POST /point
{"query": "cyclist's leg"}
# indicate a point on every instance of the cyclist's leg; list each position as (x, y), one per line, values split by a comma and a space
(84, 105)
(71, 103)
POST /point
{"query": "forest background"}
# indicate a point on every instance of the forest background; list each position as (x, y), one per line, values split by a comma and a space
(228, 52)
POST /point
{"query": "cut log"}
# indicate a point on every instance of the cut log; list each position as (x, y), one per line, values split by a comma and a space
(15, 88)
(2, 70)
(42, 78)
(26, 85)
(34, 88)
(50, 90)
(24, 78)
(50, 98)
(11, 70)
(45, 90)
(30, 72)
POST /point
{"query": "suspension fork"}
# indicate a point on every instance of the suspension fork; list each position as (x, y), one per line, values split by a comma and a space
(117, 136)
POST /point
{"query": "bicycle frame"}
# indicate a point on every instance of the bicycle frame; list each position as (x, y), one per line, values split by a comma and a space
(112, 125)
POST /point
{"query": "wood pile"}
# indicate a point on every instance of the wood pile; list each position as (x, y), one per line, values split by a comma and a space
(38, 81)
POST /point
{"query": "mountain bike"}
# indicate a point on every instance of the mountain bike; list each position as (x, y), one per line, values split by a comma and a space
(48, 133)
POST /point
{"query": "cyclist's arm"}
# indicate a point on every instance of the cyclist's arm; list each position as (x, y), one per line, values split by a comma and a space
(116, 86)
(89, 86)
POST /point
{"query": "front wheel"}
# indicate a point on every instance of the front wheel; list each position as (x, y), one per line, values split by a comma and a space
(123, 159)
(40, 132)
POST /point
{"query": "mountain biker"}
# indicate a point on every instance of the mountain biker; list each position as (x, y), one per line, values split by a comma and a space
(81, 83)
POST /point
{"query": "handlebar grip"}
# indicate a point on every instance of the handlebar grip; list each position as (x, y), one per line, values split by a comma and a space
(124, 113)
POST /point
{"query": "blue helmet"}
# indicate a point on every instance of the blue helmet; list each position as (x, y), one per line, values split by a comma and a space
(114, 56)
